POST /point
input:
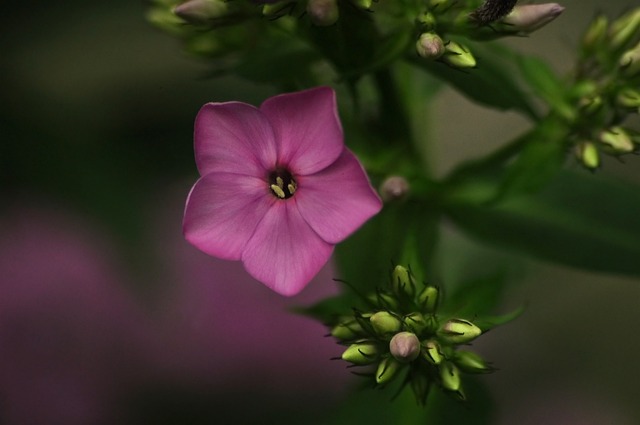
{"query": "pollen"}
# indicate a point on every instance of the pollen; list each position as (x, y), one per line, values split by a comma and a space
(282, 183)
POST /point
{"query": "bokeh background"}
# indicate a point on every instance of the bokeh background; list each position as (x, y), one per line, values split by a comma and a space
(108, 317)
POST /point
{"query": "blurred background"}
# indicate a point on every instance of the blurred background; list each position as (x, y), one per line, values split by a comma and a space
(108, 316)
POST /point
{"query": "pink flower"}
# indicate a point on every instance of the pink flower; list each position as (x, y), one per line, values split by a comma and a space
(278, 187)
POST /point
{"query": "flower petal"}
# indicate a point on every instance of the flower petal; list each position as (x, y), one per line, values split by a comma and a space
(337, 200)
(284, 252)
(233, 137)
(222, 212)
(307, 129)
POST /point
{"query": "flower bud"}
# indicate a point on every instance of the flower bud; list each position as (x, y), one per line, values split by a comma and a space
(617, 139)
(628, 98)
(384, 323)
(530, 17)
(387, 370)
(403, 282)
(427, 21)
(428, 299)
(201, 11)
(450, 376)
(470, 362)
(624, 29)
(415, 321)
(323, 13)
(384, 300)
(459, 331)
(274, 9)
(347, 330)
(362, 4)
(458, 56)
(596, 33)
(394, 188)
(630, 61)
(430, 46)
(432, 352)
(362, 353)
(404, 347)
(588, 154)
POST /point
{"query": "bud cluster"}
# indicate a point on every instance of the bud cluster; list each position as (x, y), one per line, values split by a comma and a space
(492, 19)
(607, 88)
(402, 337)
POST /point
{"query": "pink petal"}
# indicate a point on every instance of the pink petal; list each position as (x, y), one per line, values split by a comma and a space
(222, 212)
(233, 137)
(337, 200)
(307, 129)
(284, 253)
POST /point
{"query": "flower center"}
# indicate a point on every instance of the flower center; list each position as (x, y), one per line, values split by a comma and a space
(282, 183)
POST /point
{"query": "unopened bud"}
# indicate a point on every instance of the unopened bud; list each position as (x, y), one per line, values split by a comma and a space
(628, 98)
(347, 330)
(384, 300)
(470, 362)
(361, 353)
(274, 9)
(427, 21)
(323, 12)
(387, 370)
(617, 139)
(450, 376)
(403, 282)
(404, 347)
(432, 352)
(530, 17)
(428, 299)
(595, 33)
(385, 323)
(201, 11)
(588, 154)
(630, 61)
(362, 4)
(591, 105)
(415, 321)
(458, 56)
(624, 29)
(459, 331)
(394, 188)
(430, 46)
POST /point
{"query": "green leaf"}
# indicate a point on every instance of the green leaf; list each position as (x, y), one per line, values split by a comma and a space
(476, 296)
(486, 323)
(579, 220)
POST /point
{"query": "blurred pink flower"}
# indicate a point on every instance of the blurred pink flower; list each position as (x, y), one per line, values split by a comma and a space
(71, 338)
(278, 187)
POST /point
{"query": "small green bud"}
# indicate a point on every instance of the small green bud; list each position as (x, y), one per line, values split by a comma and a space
(595, 33)
(362, 4)
(440, 4)
(428, 299)
(403, 282)
(415, 321)
(530, 17)
(323, 13)
(384, 323)
(624, 29)
(387, 370)
(394, 188)
(427, 21)
(588, 154)
(459, 331)
(404, 347)
(432, 352)
(201, 11)
(362, 353)
(277, 9)
(630, 62)
(347, 330)
(628, 98)
(617, 139)
(384, 300)
(458, 56)
(591, 105)
(450, 376)
(470, 362)
(430, 46)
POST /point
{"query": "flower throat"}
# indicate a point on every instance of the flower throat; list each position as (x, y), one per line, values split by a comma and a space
(282, 183)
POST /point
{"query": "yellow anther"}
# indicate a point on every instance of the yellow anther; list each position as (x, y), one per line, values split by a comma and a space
(278, 190)
(280, 182)
(292, 188)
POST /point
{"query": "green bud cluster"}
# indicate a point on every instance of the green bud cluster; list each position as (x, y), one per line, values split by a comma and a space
(607, 89)
(403, 337)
